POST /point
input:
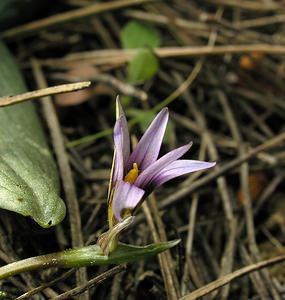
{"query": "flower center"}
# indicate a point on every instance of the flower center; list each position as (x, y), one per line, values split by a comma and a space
(132, 174)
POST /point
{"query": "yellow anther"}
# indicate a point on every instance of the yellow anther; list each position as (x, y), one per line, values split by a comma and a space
(132, 174)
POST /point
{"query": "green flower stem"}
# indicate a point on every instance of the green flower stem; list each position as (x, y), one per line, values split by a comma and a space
(86, 256)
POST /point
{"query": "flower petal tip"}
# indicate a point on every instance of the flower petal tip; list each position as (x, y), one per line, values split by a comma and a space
(208, 165)
(175, 242)
(165, 111)
(189, 145)
(212, 164)
(119, 109)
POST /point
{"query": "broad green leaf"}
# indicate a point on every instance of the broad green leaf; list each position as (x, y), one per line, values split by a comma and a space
(29, 183)
(139, 35)
(143, 66)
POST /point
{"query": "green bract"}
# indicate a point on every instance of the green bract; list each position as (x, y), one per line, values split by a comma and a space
(29, 183)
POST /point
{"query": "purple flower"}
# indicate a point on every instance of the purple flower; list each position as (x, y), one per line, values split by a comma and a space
(135, 175)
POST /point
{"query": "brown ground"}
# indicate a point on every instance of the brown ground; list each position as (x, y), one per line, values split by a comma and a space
(227, 98)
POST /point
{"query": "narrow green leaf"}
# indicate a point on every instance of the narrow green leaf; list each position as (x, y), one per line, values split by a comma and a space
(143, 66)
(85, 256)
(92, 255)
(29, 183)
(139, 35)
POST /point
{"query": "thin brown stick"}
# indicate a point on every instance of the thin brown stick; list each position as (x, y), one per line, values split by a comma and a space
(72, 15)
(119, 56)
(171, 293)
(230, 117)
(122, 87)
(65, 170)
(230, 277)
(38, 289)
(165, 20)
(116, 286)
(189, 245)
(188, 265)
(224, 169)
(25, 280)
(256, 278)
(249, 5)
(58, 89)
(91, 283)
(168, 261)
(228, 256)
(264, 21)
(158, 235)
(260, 281)
(244, 173)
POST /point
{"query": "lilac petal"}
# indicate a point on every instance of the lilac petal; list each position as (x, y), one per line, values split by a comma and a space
(126, 196)
(147, 150)
(119, 151)
(125, 131)
(152, 171)
(178, 168)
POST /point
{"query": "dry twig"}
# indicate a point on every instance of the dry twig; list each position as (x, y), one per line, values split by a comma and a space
(210, 287)
(90, 10)
(54, 90)
(66, 174)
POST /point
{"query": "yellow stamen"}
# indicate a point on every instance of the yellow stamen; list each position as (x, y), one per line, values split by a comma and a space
(132, 174)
